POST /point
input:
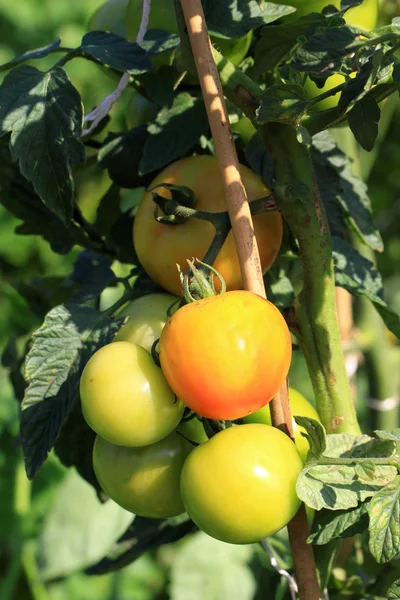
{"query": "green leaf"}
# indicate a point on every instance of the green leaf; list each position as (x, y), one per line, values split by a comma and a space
(121, 155)
(74, 447)
(142, 536)
(394, 590)
(43, 112)
(284, 104)
(326, 50)
(219, 571)
(277, 42)
(338, 487)
(174, 132)
(315, 435)
(363, 121)
(78, 529)
(59, 352)
(384, 527)
(358, 276)
(353, 195)
(19, 197)
(114, 51)
(160, 85)
(330, 525)
(157, 41)
(279, 286)
(330, 188)
(235, 18)
(392, 434)
(92, 272)
(355, 272)
(362, 446)
(31, 54)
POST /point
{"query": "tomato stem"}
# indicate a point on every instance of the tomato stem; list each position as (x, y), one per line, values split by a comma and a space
(315, 307)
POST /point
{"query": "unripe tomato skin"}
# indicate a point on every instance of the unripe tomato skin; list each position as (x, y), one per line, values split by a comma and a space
(239, 487)
(145, 480)
(364, 16)
(299, 406)
(226, 356)
(147, 317)
(125, 397)
(161, 247)
(110, 16)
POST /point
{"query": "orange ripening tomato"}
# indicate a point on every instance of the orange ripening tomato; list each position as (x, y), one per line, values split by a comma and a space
(161, 247)
(226, 356)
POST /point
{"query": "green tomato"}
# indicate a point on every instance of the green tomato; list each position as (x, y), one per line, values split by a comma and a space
(147, 317)
(110, 16)
(245, 128)
(125, 397)
(364, 16)
(240, 486)
(300, 407)
(193, 430)
(144, 481)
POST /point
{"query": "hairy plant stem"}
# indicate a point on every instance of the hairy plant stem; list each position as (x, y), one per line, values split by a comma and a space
(300, 204)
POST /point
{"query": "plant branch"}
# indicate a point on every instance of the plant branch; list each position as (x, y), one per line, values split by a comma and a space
(319, 336)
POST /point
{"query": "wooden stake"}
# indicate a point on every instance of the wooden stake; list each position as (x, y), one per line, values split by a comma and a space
(246, 245)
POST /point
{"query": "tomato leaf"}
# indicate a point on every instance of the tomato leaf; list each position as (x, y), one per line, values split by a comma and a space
(394, 591)
(277, 42)
(142, 536)
(359, 277)
(219, 571)
(174, 132)
(330, 525)
(384, 528)
(19, 197)
(353, 196)
(60, 350)
(31, 54)
(326, 50)
(315, 435)
(363, 120)
(43, 113)
(235, 18)
(114, 51)
(74, 447)
(92, 273)
(92, 529)
(338, 487)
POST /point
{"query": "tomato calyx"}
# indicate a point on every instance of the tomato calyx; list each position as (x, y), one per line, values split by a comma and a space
(198, 283)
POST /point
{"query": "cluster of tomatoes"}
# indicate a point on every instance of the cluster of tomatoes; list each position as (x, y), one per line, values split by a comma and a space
(222, 359)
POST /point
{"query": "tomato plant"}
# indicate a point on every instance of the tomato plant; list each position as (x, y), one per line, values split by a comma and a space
(299, 406)
(239, 487)
(213, 354)
(125, 398)
(147, 316)
(87, 243)
(145, 480)
(160, 247)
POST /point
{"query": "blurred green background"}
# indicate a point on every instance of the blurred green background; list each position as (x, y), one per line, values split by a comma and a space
(58, 518)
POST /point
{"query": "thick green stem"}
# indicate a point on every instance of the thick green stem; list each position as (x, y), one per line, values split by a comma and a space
(300, 204)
